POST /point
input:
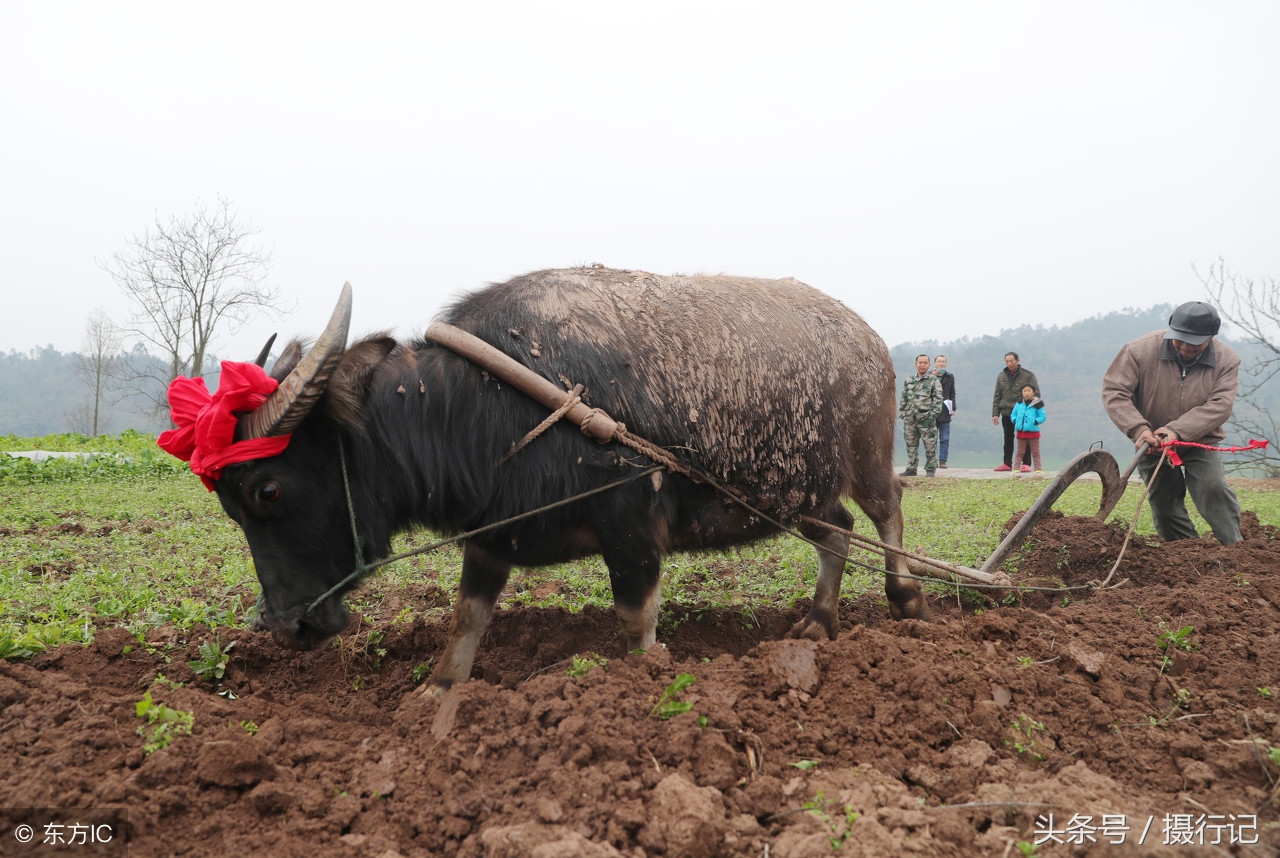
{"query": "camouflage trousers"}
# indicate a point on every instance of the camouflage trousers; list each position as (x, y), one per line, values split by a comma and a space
(913, 433)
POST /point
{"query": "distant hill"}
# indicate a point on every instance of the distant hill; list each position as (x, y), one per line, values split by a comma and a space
(1068, 362)
(40, 394)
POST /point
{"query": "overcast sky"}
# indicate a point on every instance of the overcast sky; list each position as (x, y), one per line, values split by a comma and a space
(945, 169)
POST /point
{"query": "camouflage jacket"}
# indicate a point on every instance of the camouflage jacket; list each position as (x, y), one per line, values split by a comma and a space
(921, 399)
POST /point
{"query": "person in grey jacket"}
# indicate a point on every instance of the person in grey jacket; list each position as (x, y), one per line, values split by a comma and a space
(1008, 394)
(1179, 385)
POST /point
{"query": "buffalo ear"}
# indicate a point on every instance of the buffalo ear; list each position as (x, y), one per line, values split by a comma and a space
(349, 386)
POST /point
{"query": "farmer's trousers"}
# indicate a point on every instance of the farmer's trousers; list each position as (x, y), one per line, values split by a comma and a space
(1203, 476)
(913, 433)
(944, 441)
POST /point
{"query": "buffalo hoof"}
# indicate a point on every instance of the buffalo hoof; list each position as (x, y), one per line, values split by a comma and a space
(813, 629)
(435, 690)
(915, 608)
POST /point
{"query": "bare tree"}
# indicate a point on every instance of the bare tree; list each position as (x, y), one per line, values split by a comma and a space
(185, 278)
(1253, 308)
(95, 365)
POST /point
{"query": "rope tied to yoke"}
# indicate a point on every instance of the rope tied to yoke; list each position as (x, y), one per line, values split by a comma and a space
(574, 397)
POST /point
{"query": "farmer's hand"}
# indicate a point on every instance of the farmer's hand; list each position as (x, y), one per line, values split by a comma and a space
(995, 420)
(1146, 436)
(1165, 434)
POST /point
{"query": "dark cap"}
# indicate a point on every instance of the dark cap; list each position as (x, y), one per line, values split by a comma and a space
(1193, 323)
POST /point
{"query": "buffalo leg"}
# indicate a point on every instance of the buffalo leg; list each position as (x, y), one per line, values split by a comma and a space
(634, 570)
(822, 621)
(483, 577)
(884, 508)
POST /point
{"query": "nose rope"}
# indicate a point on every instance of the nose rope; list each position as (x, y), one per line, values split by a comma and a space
(351, 513)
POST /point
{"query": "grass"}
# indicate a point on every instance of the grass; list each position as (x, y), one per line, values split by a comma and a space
(139, 543)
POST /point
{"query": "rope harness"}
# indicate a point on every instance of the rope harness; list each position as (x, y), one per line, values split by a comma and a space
(599, 426)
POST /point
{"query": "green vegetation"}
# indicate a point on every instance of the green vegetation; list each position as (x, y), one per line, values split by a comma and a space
(670, 705)
(582, 664)
(161, 724)
(211, 666)
(137, 542)
(1179, 639)
(841, 825)
(1024, 733)
(127, 455)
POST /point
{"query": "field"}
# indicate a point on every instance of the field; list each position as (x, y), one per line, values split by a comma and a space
(132, 691)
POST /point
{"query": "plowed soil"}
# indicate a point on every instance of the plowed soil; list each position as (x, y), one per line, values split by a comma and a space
(947, 738)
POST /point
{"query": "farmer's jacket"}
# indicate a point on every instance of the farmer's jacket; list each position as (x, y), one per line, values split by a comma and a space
(948, 380)
(1009, 390)
(921, 398)
(1027, 417)
(1144, 388)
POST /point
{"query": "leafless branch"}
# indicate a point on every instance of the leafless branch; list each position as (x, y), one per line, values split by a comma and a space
(96, 365)
(187, 279)
(1252, 307)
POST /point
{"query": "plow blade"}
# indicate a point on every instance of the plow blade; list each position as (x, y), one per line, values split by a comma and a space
(1099, 462)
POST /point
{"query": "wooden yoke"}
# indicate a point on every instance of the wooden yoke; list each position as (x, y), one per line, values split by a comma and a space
(593, 422)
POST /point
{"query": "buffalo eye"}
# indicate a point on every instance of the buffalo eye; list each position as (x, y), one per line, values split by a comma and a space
(268, 492)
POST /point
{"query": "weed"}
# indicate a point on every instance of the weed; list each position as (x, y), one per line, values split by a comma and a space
(1264, 691)
(161, 679)
(1024, 742)
(1180, 639)
(14, 647)
(1181, 700)
(211, 666)
(420, 671)
(841, 827)
(1064, 557)
(362, 646)
(805, 765)
(1028, 850)
(1026, 660)
(161, 724)
(582, 664)
(250, 727)
(670, 705)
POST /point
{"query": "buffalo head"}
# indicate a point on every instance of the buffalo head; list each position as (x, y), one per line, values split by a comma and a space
(292, 507)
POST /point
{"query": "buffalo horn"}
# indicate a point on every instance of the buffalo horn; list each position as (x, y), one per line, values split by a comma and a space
(261, 359)
(295, 396)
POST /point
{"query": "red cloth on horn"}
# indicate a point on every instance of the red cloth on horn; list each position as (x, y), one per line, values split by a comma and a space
(206, 425)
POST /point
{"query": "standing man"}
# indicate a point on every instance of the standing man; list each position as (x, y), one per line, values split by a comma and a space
(1009, 384)
(1179, 385)
(918, 408)
(948, 407)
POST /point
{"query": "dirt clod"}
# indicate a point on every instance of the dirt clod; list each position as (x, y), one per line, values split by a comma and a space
(949, 738)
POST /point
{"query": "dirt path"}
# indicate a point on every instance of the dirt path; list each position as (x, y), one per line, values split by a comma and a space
(941, 739)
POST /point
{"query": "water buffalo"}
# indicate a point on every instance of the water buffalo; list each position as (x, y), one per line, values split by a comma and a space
(770, 387)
